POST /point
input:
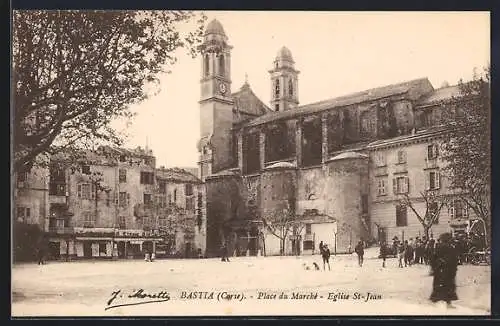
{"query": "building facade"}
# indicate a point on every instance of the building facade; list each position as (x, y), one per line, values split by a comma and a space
(114, 203)
(349, 158)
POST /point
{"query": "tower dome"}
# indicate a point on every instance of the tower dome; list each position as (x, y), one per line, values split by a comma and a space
(284, 54)
(215, 27)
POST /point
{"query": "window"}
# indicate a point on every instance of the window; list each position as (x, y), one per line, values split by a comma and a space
(401, 157)
(290, 87)
(277, 88)
(86, 191)
(190, 204)
(189, 189)
(381, 186)
(122, 222)
(308, 228)
(432, 152)
(427, 118)
(400, 185)
(433, 211)
(147, 178)
(57, 189)
(123, 199)
(276, 107)
(85, 169)
(148, 201)
(162, 186)
(364, 204)
(162, 201)
(206, 65)
(175, 196)
(23, 214)
(458, 209)
(22, 177)
(88, 220)
(401, 215)
(122, 175)
(222, 66)
(380, 159)
(433, 180)
(367, 124)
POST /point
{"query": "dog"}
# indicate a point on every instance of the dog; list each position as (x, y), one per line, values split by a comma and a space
(314, 266)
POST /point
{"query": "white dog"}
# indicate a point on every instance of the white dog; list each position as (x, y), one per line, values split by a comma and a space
(314, 266)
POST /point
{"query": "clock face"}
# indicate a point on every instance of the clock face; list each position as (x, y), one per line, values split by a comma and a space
(222, 88)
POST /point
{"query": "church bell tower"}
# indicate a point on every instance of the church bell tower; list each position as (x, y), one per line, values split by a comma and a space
(216, 102)
(284, 82)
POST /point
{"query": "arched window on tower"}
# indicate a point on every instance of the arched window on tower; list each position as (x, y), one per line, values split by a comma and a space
(290, 87)
(206, 65)
(222, 66)
(277, 88)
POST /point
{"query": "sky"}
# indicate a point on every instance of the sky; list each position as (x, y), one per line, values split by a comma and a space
(337, 53)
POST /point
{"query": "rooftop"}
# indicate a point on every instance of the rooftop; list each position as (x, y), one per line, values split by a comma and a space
(342, 101)
(176, 175)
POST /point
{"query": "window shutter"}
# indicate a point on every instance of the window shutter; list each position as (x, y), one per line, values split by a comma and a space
(437, 180)
(466, 209)
(79, 191)
(92, 191)
(395, 186)
(128, 198)
(427, 181)
(407, 185)
(429, 152)
(452, 210)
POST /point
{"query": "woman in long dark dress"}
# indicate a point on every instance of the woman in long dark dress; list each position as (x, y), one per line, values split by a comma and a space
(444, 271)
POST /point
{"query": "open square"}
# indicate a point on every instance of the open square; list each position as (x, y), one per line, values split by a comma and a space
(83, 288)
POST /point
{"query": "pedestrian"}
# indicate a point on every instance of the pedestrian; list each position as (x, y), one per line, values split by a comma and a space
(326, 256)
(320, 247)
(40, 255)
(383, 252)
(444, 271)
(408, 254)
(360, 251)
(224, 251)
(400, 251)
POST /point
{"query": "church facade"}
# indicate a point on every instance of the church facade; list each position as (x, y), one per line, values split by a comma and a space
(332, 171)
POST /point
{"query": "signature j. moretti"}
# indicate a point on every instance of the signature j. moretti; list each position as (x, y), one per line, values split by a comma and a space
(137, 297)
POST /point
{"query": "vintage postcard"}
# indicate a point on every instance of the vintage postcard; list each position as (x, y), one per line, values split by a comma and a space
(171, 163)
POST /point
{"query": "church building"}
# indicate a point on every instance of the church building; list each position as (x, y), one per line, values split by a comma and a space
(282, 177)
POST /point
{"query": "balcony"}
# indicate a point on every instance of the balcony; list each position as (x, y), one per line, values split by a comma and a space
(61, 229)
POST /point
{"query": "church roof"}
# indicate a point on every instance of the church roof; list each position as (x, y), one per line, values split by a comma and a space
(355, 98)
(348, 155)
(440, 95)
(245, 101)
(281, 165)
(215, 27)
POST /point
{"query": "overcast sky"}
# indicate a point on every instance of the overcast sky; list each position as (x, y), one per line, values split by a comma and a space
(336, 52)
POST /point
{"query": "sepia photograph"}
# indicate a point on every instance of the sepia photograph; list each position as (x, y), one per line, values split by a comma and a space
(250, 163)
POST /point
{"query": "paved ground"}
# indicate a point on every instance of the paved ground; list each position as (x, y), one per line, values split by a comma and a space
(83, 288)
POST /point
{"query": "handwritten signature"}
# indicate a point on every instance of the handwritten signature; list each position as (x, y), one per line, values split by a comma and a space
(137, 297)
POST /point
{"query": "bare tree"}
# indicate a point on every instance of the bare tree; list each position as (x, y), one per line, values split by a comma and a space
(433, 205)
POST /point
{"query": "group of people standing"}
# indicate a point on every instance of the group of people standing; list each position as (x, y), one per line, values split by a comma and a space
(442, 256)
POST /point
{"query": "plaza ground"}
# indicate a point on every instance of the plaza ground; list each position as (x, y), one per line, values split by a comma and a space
(83, 288)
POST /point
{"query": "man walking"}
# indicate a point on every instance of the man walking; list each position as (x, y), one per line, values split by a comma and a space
(360, 251)
(383, 252)
(326, 256)
(224, 252)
